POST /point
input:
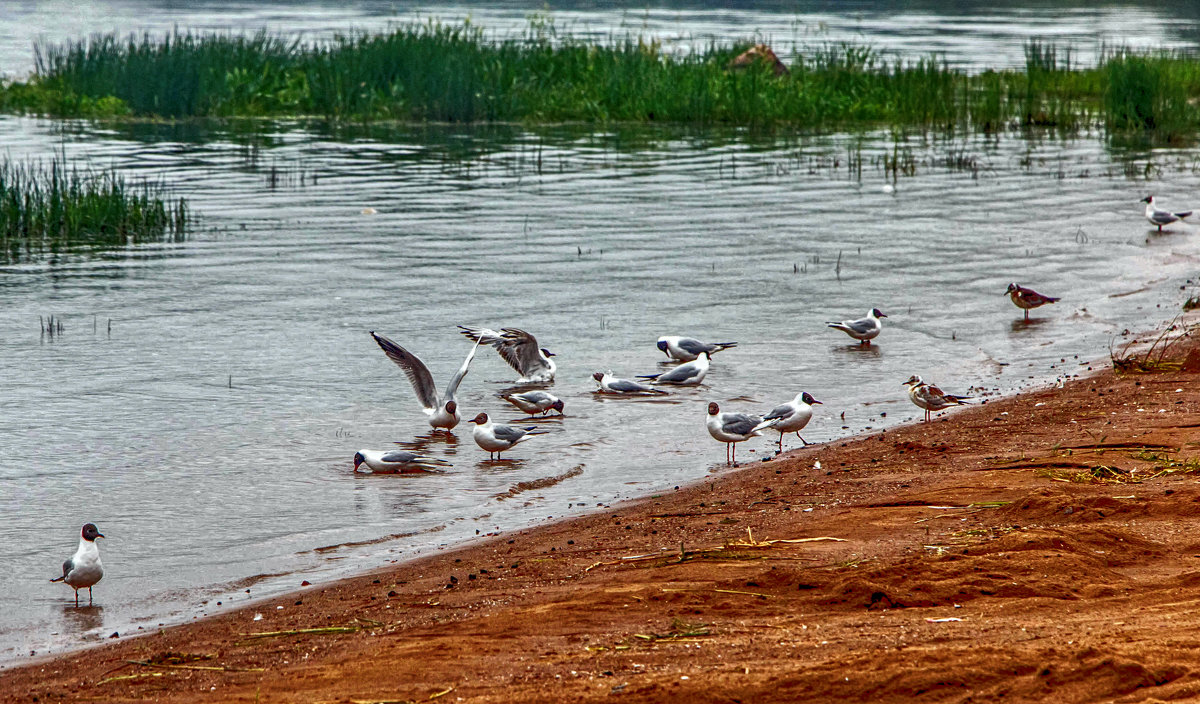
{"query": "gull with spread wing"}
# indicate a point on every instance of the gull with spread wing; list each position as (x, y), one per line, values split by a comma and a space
(443, 412)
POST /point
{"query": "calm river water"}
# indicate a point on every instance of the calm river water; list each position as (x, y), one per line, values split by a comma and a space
(209, 432)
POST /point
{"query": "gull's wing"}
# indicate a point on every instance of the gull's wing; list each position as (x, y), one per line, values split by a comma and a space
(781, 412)
(68, 565)
(694, 347)
(414, 369)
(508, 433)
(626, 386)
(739, 423)
(521, 351)
(681, 373)
(452, 387)
(861, 326)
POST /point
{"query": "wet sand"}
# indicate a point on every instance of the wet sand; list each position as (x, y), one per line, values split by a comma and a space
(1035, 547)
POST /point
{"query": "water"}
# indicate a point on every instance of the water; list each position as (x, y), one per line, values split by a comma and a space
(210, 433)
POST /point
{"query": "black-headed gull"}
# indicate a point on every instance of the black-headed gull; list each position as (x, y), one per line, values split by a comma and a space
(610, 384)
(791, 417)
(731, 428)
(535, 402)
(864, 329)
(686, 374)
(83, 569)
(397, 461)
(496, 438)
(931, 398)
(519, 349)
(685, 349)
(1027, 298)
(1158, 217)
(442, 413)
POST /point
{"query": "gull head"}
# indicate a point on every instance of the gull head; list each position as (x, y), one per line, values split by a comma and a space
(557, 405)
(1013, 287)
(480, 419)
(877, 313)
(547, 353)
(598, 376)
(451, 407)
(358, 460)
(91, 532)
(713, 409)
(1148, 199)
(662, 345)
(807, 398)
(913, 380)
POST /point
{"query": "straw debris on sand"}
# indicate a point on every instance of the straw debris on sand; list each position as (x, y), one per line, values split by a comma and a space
(964, 559)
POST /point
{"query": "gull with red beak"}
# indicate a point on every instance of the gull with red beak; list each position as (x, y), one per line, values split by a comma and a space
(731, 428)
(83, 569)
(1158, 218)
(535, 402)
(610, 384)
(791, 417)
(864, 329)
(496, 438)
(685, 349)
(397, 462)
(443, 413)
(519, 349)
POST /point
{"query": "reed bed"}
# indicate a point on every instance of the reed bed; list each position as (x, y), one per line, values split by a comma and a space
(435, 72)
(54, 207)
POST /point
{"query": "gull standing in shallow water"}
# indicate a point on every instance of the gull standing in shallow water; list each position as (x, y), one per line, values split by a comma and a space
(397, 461)
(496, 438)
(442, 413)
(534, 402)
(612, 385)
(1027, 298)
(83, 569)
(791, 417)
(731, 428)
(686, 374)
(1158, 217)
(519, 349)
(686, 349)
(864, 329)
(930, 397)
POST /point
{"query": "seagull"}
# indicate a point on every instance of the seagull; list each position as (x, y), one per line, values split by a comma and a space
(83, 569)
(930, 397)
(534, 402)
(1027, 298)
(1161, 217)
(497, 438)
(685, 349)
(791, 417)
(686, 374)
(519, 349)
(397, 461)
(443, 413)
(612, 385)
(731, 428)
(864, 329)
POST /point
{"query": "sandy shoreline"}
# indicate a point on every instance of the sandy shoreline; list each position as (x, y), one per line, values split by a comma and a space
(961, 560)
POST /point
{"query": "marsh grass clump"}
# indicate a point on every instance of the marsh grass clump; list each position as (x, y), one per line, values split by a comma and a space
(57, 207)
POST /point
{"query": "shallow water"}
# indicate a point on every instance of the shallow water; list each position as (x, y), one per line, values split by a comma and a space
(210, 433)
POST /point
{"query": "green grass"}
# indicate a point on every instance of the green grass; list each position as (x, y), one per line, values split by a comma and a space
(53, 207)
(435, 72)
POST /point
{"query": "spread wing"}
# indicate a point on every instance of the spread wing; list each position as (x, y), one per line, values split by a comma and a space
(452, 387)
(517, 347)
(414, 369)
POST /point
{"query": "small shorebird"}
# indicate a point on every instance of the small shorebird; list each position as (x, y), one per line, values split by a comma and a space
(83, 569)
(931, 398)
(613, 385)
(731, 428)
(535, 402)
(397, 461)
(1027, 298)
(442, 413)
(519, 349)
(686, 374)
(864, 329)
(1158, 217)
(685, 349)
(791, 417)
(496, 438)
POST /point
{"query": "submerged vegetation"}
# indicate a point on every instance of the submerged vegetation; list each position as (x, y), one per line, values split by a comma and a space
(434, 72)
(53, 207)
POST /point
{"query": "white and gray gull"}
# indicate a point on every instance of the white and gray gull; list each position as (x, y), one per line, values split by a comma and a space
(443, 412)
(930, 398)
(83, 569)
(397, 462)
(731, 428)
(685, 349)
(686, 374)
(535, 402)
(519, 349)
(791, 417)
(864, 329)
(496, 438)
(1158, 218)
(610, 384)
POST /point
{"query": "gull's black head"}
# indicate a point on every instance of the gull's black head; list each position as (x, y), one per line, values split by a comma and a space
(451, 407)
(807, 398)
(557, 405)
(1012, 287)
(1147, 199)
(548, 353)
(877, 313)
(662, 345)
(358, 460)
(91, 532)
(480, 419)
(598, 376)
(713, 408)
